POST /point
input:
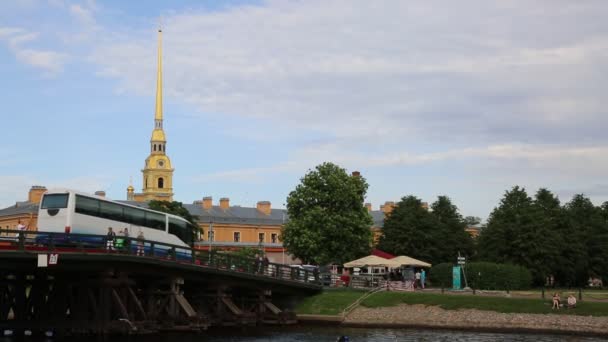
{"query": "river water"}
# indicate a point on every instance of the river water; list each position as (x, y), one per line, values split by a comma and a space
(320, 334)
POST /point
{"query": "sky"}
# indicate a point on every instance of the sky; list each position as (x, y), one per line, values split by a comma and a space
(459, 98)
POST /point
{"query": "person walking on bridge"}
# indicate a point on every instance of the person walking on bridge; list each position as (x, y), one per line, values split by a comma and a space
(110, 239)
(140, 243)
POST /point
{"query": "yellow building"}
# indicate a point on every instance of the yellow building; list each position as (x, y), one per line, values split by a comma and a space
(157, 172)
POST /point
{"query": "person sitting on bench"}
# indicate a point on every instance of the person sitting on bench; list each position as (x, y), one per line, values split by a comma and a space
(571, 302)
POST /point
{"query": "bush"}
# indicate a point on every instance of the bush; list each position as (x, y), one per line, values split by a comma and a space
(491, 276)
(440, 275)
(484, 276)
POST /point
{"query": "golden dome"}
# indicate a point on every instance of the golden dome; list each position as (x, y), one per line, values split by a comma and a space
(130, 188)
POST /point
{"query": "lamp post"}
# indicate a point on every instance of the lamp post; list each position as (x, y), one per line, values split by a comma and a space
(210, 238)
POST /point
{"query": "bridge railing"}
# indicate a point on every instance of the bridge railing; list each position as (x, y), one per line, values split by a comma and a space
(49, 242)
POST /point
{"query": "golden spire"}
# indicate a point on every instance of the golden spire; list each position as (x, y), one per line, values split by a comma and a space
(158, 113)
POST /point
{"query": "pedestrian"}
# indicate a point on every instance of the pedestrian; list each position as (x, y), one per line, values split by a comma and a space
(256, 263)
(140, 243)
(422, 278)
(20, 227)
(417, 283)
(127, 242)
(260, 263)
(110, 239)
(119, 240)
(265, 263)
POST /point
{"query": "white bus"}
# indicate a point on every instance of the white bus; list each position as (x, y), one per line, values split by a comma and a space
(68, 211)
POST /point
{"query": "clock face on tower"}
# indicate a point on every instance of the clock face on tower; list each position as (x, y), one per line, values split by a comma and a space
(161, 163)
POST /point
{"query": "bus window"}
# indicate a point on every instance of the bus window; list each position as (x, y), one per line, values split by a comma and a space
(111, 211)
(155, 220)
(181, 229)
(55, 201)
(135, 216)
(87, 206)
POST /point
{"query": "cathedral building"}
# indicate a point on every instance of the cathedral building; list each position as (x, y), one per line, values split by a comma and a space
(157, 172)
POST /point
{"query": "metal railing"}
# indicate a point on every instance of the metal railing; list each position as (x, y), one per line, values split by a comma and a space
(58, 243)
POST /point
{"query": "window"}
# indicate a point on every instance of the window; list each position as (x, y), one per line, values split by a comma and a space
(135, 216)
(181, 229)
(237, 237)
(155, 220)
(161, 183)
(87, 206)
(210, 236)
(111, 211)
(154, 147)
(55, 201)
(274, 237)
(261, 237)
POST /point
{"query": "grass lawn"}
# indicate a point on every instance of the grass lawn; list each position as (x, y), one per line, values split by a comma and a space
(587, 293)
(329, 302)
(499, 304)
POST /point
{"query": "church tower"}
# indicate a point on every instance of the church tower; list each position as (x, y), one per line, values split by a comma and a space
(157, 172)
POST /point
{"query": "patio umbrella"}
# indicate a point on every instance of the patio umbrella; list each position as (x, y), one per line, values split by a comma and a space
(404, 260)
(370, 260)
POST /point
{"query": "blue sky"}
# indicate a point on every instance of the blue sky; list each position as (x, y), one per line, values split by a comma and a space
(426, 98)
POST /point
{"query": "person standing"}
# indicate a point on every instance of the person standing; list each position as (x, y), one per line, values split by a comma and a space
(140, 243)
(417, 282)
(20, 227)
(422, 278)
(110, 239)
(127, 242)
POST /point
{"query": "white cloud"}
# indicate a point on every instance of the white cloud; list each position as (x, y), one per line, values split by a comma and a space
(51, 62)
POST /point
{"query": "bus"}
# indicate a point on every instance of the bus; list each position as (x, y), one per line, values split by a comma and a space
(69, 211)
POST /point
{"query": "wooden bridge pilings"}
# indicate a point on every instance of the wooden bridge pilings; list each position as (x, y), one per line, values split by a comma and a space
(97, 292)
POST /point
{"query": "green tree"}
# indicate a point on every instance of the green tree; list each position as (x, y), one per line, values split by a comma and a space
(451, 235)
(548, 256)
(178, 209)
(586, 241)
(412, 230)
(327, 218)
(510, 236)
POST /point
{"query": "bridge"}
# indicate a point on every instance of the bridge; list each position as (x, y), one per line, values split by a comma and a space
(58, 283)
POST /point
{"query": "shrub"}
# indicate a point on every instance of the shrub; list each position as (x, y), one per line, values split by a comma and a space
(491, 276)
(484, 276)
(441, 275)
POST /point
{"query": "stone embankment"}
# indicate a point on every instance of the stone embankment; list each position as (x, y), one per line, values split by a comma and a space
(436, 317)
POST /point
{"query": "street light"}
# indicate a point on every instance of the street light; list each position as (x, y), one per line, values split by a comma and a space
(210, 238)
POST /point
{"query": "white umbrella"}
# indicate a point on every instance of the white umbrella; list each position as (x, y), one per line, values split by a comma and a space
(370, 260)
(404, 260)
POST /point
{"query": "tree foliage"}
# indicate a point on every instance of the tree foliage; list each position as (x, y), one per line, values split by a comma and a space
(569, 242)
(327, 219)
(433, 236)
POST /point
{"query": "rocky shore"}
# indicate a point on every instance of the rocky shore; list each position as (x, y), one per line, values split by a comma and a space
(432, 316)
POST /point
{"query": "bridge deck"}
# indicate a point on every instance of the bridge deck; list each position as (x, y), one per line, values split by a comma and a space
(79, 251)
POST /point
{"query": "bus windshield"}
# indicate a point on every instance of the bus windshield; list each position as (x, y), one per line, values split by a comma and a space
(55, 201)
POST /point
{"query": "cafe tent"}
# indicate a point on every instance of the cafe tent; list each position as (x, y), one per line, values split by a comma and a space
(370, 260)
(404, 260)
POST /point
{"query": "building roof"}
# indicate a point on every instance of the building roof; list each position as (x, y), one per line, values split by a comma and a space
(20, 208)
(233, 214)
